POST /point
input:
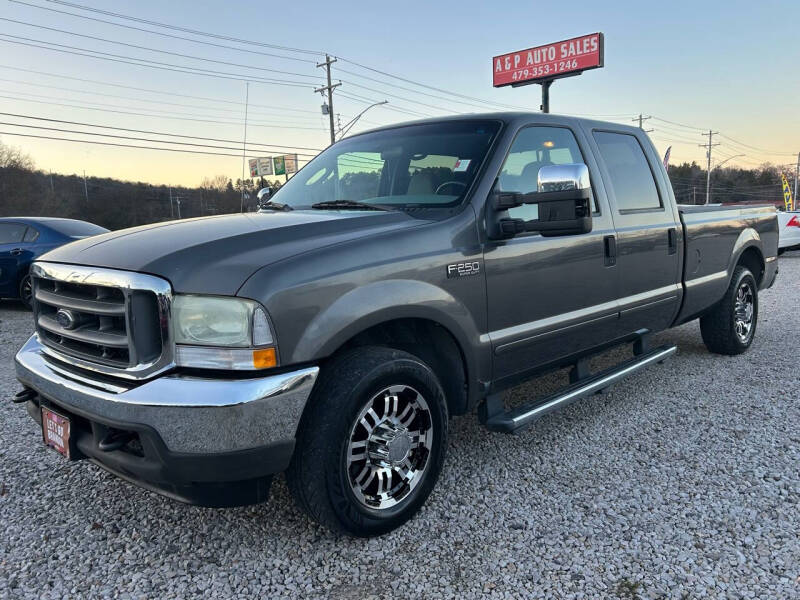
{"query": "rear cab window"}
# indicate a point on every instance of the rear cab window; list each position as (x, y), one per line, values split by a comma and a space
(631, 178)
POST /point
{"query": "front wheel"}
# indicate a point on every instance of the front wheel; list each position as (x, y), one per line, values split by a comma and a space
(731, 325)
(26, 291)
(371, 443)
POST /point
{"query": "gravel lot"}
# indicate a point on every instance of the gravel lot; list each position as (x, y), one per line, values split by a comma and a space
(682, 482)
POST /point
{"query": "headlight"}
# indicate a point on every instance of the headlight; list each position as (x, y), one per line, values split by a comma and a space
(215, 332)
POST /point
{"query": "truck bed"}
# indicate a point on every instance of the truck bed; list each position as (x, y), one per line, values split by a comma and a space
(713, 235)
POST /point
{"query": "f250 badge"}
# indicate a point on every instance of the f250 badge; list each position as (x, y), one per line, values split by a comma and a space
(463, 269)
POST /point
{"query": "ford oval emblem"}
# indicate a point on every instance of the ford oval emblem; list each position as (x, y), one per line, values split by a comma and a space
(66, 318)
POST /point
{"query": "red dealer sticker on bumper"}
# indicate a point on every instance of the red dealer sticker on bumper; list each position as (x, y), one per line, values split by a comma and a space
(55, 431)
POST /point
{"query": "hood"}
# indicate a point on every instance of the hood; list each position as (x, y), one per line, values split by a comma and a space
(215, 255)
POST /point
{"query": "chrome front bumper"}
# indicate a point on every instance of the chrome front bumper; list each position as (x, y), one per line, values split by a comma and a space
(192, 415)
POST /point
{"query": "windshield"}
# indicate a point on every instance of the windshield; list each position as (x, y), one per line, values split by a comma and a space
(430, 165)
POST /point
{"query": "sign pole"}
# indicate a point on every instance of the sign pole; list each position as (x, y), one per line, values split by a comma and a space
(545, 107)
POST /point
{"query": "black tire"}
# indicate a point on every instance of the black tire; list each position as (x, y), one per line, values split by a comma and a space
(320, 476)
(722, 328)
(26, 291)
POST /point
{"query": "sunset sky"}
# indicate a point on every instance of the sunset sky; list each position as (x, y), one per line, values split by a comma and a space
(730, 66)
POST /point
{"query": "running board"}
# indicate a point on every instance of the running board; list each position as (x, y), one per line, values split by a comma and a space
(492, 411)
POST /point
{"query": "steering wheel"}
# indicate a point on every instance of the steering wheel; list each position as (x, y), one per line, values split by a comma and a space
(461, 183)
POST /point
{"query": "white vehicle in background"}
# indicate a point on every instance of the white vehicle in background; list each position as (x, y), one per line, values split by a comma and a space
(789, 229)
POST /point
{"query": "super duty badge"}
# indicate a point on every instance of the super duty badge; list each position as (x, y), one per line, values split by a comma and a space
(463, 269)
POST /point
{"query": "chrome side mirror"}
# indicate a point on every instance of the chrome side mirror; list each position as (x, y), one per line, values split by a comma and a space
(561, 178)
(264, 194)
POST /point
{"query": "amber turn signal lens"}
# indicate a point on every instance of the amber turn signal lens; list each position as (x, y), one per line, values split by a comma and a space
(265, 358)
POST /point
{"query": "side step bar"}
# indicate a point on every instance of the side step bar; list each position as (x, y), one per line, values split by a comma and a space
(492, 414)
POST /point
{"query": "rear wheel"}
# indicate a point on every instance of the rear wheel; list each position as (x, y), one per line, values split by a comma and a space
(372, 442)
(26, 291)
(731, 325)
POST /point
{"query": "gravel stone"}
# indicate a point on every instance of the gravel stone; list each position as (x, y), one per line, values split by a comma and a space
(681, 482)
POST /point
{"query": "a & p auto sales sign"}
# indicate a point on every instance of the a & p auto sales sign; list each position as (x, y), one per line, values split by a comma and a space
(552, 61)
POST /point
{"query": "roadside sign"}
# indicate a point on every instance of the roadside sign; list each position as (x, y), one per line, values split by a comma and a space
(280, 165)
(290, 160)
(552, 61)
(265, 166)
(253, 162)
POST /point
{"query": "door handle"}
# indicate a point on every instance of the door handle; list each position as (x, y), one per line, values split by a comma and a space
(610, 247)
(672, 240)
(16, 252)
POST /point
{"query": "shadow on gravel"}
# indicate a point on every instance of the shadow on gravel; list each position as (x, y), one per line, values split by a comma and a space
(13, 306)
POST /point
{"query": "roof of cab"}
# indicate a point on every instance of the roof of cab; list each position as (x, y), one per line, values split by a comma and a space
(511, 118)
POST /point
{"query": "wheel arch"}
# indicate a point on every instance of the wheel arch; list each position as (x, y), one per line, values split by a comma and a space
(750, 256)
(414, 316)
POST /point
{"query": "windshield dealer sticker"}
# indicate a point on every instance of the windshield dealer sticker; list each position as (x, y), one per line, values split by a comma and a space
(462, 164)
(463, 269)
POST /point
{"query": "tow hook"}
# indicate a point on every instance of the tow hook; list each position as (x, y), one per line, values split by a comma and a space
(114, 440)
(24, 396)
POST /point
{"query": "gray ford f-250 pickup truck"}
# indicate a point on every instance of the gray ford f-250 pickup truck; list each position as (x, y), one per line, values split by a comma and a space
(403, 276)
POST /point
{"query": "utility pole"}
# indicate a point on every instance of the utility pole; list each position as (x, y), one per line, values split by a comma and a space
(329, 89)
(85, 187)
(244, 143)
(708, 147)
(796, 175)
(641, 120)
(171, 210)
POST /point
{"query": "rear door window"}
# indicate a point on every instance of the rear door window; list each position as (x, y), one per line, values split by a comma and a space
(12, 233)
(631, 178)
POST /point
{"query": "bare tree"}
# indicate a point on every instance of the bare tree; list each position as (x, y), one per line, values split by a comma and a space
(217, 183)
(14, 158)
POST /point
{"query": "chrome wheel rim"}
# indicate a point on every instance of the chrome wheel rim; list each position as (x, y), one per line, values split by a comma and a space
(389, 447)
(744, 310)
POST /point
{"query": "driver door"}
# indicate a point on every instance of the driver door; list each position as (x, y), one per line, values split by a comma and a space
(548, 297)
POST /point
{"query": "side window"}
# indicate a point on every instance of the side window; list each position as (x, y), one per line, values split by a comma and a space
(11, 233)
(31, 235)
(631, 177)
(534, 148)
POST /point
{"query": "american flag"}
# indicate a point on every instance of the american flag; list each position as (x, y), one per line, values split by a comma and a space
(666, 158)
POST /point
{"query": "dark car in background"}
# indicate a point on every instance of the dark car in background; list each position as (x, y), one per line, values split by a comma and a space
(23, 239)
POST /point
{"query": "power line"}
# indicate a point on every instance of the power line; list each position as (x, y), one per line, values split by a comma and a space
(43, 137)
(143, 62)
(393, 107)
(168, 35)
(160, 102)
(678, 124)
(730, 139)
(184, 29)
(152, 91)
(124, 137)
(127, 45)
(157, 116)
(150, 132)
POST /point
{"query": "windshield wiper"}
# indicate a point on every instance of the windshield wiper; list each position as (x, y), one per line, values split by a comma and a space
(345, 204)
(274, 206)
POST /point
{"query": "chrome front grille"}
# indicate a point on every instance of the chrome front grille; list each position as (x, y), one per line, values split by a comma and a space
(113, 322)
